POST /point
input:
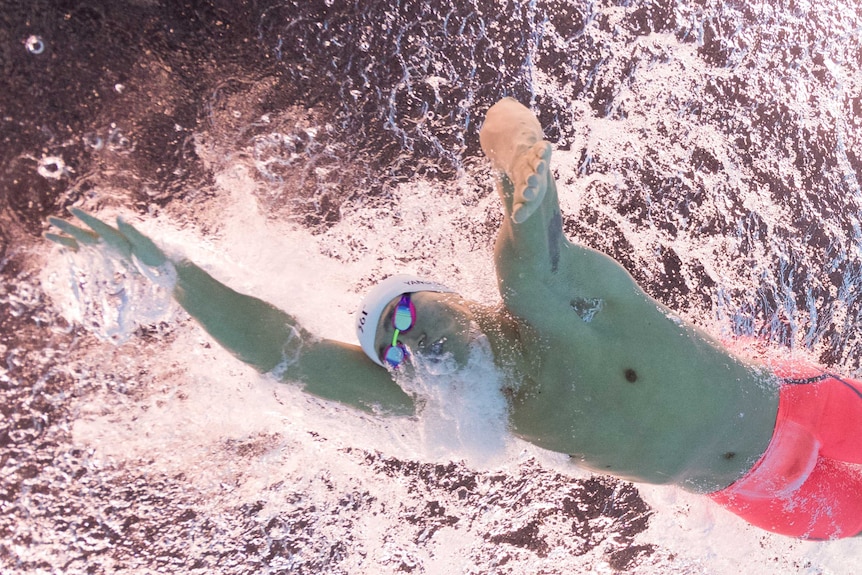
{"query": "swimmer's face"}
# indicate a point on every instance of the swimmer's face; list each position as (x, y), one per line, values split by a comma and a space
(442, 327)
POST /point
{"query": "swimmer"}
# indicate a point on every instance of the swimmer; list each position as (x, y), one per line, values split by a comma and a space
(597, 368)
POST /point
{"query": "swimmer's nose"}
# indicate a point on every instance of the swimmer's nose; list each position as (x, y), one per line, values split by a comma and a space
(437, 348)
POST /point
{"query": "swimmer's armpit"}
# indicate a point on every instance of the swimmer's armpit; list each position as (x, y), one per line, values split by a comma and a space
(587, 308)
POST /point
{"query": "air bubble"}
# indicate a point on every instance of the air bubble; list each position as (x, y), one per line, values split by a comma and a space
(35, 45)
(117, 141)
(52, 167)
(93, 141)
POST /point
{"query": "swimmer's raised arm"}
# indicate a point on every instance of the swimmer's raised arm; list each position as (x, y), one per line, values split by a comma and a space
(532, 254)
(253, 330)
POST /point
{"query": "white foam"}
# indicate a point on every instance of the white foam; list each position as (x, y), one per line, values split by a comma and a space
(464, 413)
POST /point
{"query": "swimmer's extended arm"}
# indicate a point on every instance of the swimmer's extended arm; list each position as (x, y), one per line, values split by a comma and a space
(265, 337)
(255, 331)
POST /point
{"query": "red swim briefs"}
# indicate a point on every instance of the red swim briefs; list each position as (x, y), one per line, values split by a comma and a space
(808, 483)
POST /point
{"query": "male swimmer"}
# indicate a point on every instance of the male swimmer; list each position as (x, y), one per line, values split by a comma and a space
(596, 368)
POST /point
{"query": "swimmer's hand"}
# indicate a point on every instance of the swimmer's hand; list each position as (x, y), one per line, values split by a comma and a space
(512, 138)
(124, 239)
(527, 182)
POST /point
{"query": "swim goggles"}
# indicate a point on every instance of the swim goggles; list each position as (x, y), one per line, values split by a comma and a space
(402, 319)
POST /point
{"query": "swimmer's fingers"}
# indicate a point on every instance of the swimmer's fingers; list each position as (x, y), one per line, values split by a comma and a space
(79, 235)
(522, 204)
(64, 241)
(143, 247)
(531, 177)
(124, 238)
(522, 212)
(108, 234)
(72, 236)
(528, 200)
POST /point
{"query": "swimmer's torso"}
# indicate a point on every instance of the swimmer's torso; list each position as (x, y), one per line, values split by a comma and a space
(630, 390)
(608, 377)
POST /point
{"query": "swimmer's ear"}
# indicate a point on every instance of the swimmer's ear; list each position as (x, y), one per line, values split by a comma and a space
(143, 247)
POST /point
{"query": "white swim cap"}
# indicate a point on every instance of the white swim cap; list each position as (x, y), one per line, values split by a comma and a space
(376, 301)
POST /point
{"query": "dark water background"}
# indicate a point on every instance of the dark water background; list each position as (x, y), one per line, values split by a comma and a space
(119, 93)
(111, 101)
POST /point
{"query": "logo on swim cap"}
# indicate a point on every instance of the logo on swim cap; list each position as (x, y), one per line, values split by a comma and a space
(368, 316)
